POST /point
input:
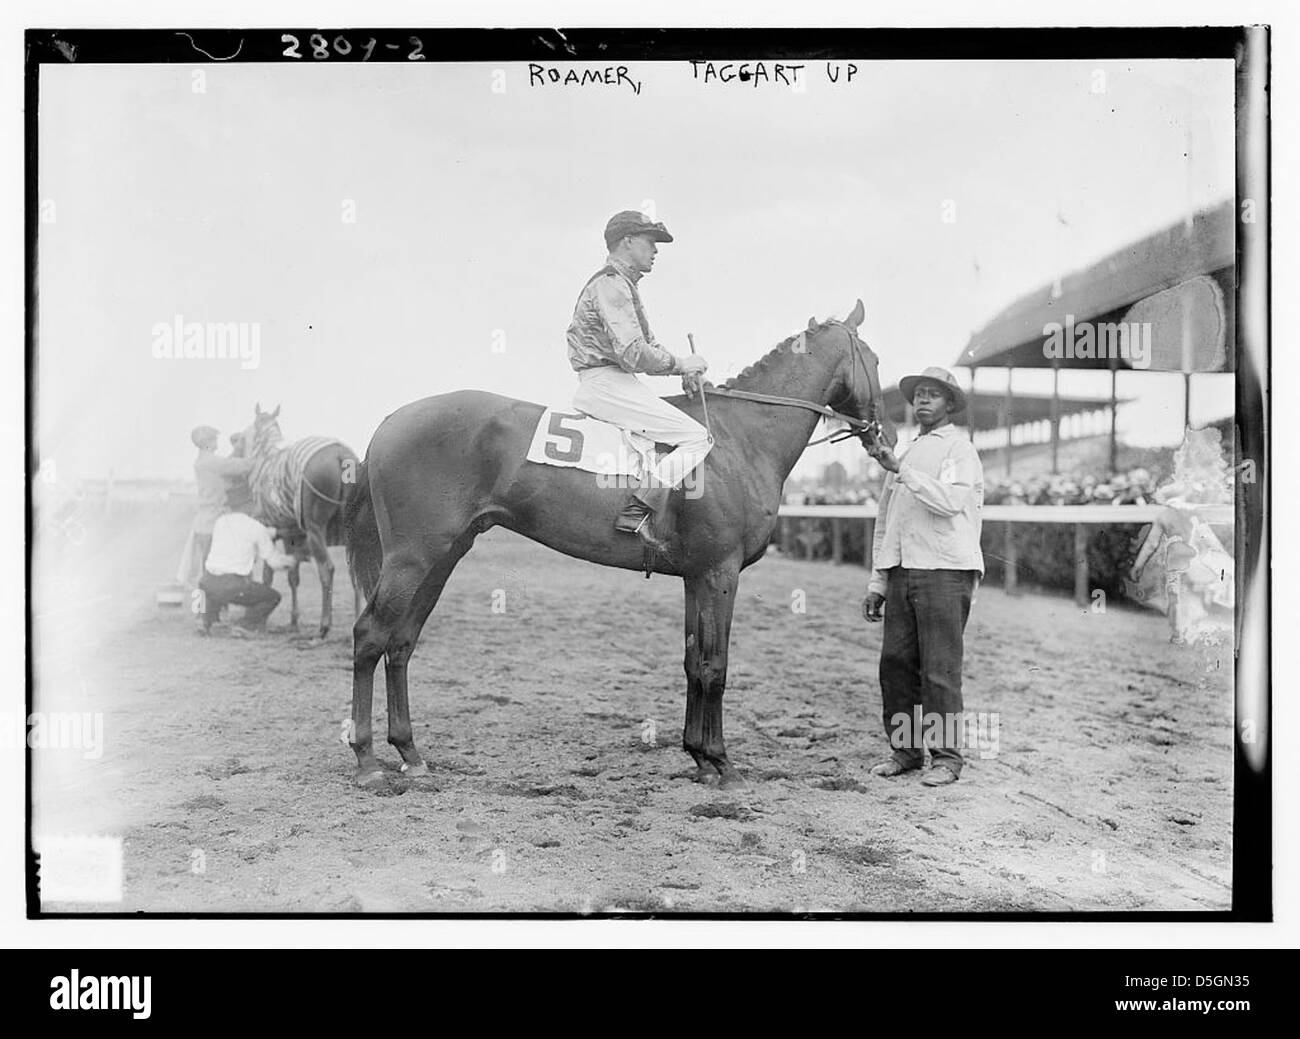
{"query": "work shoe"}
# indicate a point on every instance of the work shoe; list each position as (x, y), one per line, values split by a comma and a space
(939, 775)
(889, 769)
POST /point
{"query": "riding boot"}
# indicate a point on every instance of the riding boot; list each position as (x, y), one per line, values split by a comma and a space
(641, 511)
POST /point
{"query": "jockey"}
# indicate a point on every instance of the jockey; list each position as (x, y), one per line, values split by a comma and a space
(609, 342)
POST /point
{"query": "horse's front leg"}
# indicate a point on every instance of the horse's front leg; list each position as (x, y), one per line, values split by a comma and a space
(710, 601)
(693, 731)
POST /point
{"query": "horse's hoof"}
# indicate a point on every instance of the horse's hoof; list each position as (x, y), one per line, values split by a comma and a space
(731, 780)
(373, 781)
(705, 775)
(416, 770)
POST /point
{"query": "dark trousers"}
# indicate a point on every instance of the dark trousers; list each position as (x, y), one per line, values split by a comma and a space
(221, 589)
(920, 663)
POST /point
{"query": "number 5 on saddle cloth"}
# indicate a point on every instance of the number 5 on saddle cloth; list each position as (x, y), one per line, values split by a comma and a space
(573, 440)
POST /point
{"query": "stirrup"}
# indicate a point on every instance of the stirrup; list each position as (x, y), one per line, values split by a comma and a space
(631, 518)
(651, 544)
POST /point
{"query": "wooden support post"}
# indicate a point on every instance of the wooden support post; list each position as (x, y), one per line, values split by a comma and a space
(837, 540)
(1006, 414)
(1056, 416)
(787, 537)
(1009, 564)
(1114, 410)
(869, 537)
(1081, 564)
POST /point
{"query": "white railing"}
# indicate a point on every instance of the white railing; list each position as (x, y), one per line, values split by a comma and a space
(1026, 513)
(1081, 516)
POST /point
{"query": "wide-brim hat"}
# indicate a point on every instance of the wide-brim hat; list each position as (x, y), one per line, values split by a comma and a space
(629, 221)
(907, 384)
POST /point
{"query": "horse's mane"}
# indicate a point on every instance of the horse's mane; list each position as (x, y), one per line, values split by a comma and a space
(765, 362)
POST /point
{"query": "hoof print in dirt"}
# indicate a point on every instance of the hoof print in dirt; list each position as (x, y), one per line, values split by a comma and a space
(395, 787)
(842, 783)
(384, 784)
(722, 811)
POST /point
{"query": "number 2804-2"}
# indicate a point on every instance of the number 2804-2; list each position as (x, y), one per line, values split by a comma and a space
(320, 47)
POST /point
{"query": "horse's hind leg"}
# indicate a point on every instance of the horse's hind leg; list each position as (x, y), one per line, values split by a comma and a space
(325, 568)
(398, 583)
(294, 578)
(368, 641)
(390, 623)
(400, 646)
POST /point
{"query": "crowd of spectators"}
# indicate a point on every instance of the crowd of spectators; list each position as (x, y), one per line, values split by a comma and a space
(1136, 487)
(831, 496)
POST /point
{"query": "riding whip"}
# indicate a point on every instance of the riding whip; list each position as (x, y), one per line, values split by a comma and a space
(699, 383)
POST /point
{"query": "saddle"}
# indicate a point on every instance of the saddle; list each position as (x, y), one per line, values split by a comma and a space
(572, 439)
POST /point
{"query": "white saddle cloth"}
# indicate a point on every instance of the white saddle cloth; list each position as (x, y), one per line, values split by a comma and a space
(572, 440)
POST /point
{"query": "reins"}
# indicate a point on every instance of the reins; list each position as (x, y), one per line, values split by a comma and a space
(857, 427)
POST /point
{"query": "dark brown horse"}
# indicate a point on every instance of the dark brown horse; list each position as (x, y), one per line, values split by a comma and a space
(442, 470)
(320, 475)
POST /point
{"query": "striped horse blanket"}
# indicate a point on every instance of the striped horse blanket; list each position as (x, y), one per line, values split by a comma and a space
(277, 480)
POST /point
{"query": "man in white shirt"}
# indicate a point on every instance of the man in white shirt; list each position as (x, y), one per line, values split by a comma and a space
(926, 563)
(239, 542)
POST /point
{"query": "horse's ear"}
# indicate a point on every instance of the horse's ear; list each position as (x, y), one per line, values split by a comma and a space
(257, 409)
(855, 318)
(276, 412)
(812, 324)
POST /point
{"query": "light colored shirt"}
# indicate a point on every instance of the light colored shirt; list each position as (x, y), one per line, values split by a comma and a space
(931, 510)
(238, 541)
(609, 325)
(214, 475)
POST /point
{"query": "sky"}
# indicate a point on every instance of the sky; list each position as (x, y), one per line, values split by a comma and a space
(401, 230)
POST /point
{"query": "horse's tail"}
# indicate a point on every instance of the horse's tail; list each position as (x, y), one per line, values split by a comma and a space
(361, 532)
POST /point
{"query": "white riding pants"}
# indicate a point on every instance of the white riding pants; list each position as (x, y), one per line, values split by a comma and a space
(616, 396)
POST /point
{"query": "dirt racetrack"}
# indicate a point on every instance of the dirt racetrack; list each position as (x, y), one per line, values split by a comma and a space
(558, 784)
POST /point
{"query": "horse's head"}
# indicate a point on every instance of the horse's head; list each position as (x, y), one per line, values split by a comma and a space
(262, 436)
(856, 388)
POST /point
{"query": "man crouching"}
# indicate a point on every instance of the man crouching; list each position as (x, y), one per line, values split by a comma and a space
(926, 563)
(238, 543)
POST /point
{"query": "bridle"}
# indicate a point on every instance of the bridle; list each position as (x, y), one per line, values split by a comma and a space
(264, 438)
(868, 431)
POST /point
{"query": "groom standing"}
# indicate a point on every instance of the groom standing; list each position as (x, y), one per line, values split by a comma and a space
(926, 563)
